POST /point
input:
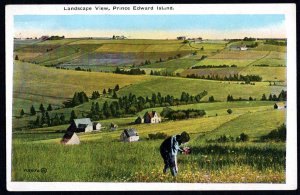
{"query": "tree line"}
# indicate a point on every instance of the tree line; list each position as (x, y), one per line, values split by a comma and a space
(236, 77)
(282, 96)
(131, 104)
(214, 66)
(132, 71)
(181, 114)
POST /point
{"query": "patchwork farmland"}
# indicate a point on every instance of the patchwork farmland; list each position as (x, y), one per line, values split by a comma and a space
(122, 80)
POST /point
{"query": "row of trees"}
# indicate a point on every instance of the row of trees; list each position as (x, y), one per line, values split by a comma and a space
(132, 71)
(214, 66)
(44, 119)
(78, 98)
(132, 104)
(181, 114)
(235, 77)
(33, 110)
(82, 69)
(282, 96)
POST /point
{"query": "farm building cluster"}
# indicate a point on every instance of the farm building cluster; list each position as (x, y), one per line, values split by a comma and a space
(77, 126)
(86, 125)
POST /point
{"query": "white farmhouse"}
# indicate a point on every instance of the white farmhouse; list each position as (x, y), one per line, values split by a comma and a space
(152, 117)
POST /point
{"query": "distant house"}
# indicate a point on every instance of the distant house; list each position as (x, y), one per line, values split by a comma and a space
(152, 117)
(129, 135)
(44, 38)
(70, 138)
(96, 126)
(280, 105)
(119, 37)
(113, 126)
(243, 48)
(82, 125)
(181, 38)
(139, 120)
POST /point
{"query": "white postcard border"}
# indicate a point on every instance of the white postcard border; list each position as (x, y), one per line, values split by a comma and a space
(289, 10)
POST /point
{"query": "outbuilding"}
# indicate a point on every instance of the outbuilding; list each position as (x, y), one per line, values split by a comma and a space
(70, 138)
(129, 135)
(81, 125)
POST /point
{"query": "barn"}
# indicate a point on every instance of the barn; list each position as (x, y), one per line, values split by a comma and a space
(81, 125)
(70, 138)
(129, 135)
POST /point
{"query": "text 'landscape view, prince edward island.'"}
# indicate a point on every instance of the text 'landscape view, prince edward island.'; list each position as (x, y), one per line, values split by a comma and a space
(138, 98)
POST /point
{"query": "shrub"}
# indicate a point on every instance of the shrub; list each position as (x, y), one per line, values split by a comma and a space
(278, 134)
(242, 138)
(229, 111)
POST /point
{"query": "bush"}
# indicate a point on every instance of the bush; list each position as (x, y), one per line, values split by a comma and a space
(229, 111)
(278, 134)
(242, 138)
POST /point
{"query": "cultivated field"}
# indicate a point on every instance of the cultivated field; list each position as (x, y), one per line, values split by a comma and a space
(102, 157)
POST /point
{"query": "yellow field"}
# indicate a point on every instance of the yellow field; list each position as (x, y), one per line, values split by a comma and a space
(41, 81)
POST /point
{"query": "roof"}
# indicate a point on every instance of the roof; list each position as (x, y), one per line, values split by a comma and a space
(280, 104)
(82, 121)
(130, 132)
(151, 114)
(68, 135)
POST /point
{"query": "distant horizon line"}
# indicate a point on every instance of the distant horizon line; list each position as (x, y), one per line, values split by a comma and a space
(93, 37)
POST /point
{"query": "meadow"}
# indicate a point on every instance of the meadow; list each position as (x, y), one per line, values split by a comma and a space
(102, 157)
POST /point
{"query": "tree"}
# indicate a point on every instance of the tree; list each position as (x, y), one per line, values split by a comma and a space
(270, 97)
(104, 92)
(263, 98)
(117, 87)
(73, 116)
(37, 121)
(97, 107)
(42, 109)
(32, 111)
(22, 113)
(49, 108)
(62, 119)
(17, 57)
(211, 99)
(229, 111)
(47, 117)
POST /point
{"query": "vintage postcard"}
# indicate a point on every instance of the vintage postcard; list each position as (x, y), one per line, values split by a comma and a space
(151, 97)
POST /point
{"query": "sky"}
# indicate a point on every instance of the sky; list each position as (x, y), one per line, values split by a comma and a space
(152, 26)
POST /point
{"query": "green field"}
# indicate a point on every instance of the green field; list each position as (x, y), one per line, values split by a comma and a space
(101, 157)
(101, 151)
(219, 89)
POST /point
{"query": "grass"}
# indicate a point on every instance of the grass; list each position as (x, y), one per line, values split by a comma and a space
(267, 73)
(34, 84)
(219, 89)
(174, 65)
(100, 153)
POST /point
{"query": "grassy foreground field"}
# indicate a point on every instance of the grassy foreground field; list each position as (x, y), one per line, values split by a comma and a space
(102, 158)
